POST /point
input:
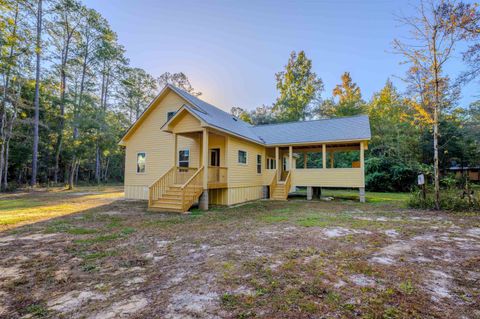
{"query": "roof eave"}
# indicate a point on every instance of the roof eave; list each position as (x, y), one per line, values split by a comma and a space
(317, 142)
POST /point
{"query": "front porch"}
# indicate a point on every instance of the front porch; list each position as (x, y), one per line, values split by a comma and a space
(184, 184)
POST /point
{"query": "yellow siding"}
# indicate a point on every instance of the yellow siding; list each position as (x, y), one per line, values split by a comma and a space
(157, 145)
(243, 194)
(136, 192)
(185, 122)
(336, 177)
(217, 141)
(243, 175)
(218, 196)
(268, 176)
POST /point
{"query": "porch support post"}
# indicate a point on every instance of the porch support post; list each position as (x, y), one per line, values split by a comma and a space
(290, 158)
(332, 158)
(362, 155)
(362, 167)
(305, 160)
(175, 149)
(324, 156)
(361, 193)
(203, 202)
(309, 192)
(277, 162)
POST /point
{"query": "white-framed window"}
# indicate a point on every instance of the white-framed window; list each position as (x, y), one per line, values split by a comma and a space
(141, 158)
(242, 157)
(184, 158)
(170, 115)
(259, 164)
(271, 163)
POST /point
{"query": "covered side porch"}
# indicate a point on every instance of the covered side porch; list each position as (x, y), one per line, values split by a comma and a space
(317, 165)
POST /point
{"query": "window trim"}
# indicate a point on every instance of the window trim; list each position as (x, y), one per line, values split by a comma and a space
(178, 159)
(136, 163)
(259, 164)
(271, 163)
(238, 157)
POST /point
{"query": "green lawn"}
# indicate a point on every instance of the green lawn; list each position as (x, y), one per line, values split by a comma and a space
(28, 207)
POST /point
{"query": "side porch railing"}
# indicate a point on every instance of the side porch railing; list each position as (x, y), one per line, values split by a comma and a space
(192, 189)
(288, 184)
(273, 183)
(217, 175)
(161, 185)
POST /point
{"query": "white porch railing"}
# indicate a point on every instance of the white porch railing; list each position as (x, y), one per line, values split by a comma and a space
(328, 177)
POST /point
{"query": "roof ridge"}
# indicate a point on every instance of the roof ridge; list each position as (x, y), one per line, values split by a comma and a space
(195, 97)
(309, 121)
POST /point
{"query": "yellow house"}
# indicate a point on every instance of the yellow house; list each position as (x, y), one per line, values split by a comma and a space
(183, 150)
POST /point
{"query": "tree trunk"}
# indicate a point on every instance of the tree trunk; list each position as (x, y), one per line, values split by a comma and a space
(3, 107)
(5, 173)
(105, 171)
(71, 176)
(76, 173)
(63, 88)
(436, 115)
(97, 164)
(36, 120)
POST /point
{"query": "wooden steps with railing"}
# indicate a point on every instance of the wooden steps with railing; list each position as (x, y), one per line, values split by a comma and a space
(279, 189)
(176, 191)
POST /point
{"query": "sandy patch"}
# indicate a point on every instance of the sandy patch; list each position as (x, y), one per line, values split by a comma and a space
(474, 232)
(391, 233)
(362, 280)
(382, 260)
(340, 231)
(37, 237)
(195, 305)
(12, 272)
(123, 309)
(439, 285)
(73, 300)
(134, 281)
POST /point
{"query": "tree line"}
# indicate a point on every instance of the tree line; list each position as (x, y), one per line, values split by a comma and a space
(421, 130)
(68, 93)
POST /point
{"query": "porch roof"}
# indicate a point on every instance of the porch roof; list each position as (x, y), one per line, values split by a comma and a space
(325, 130)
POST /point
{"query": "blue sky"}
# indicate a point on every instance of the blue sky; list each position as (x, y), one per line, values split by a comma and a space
(231, 50)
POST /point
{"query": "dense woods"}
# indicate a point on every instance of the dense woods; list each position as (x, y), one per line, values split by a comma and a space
(68, 93)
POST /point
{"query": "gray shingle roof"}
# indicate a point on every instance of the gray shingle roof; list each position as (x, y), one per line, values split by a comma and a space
(327, 130)
(337, 129)
(218, 118)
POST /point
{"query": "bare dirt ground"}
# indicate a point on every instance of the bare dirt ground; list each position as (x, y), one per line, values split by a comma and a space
(294, 259)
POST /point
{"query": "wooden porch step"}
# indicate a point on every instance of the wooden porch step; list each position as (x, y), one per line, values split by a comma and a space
(164, 200)
(166, 208)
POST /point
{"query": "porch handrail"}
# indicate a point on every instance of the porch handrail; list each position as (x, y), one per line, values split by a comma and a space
(192, 189)
(273, 183)
(160, 186)
(288, 183)
(192, 177)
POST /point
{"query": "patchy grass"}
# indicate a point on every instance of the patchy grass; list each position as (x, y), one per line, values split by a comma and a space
(294, 259)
